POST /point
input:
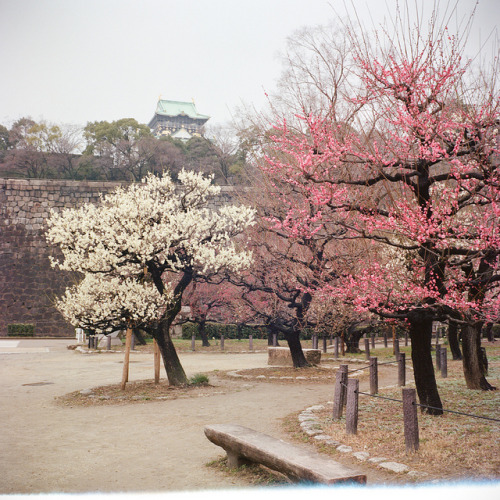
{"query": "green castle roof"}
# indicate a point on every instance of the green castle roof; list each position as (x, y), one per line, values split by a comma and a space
(176, 108)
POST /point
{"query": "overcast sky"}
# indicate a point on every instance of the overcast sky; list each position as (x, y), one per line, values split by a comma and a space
(74, 61)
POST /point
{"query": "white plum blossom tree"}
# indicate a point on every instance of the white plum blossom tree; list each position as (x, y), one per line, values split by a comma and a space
(104, 304)
(137, 236)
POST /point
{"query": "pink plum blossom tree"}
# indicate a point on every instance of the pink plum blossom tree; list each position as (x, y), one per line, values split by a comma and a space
(408, 164)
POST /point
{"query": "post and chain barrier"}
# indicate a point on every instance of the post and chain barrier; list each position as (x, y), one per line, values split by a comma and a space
(347, 392)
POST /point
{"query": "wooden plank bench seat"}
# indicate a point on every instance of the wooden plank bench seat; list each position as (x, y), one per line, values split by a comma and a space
(244, 445)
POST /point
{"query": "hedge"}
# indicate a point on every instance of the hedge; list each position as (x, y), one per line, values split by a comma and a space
(215, 330)
(20, 330)
(231, 331)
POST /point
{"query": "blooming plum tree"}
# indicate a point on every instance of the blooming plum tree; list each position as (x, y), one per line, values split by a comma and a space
(413, 171)
(281, 285)
(128, 244)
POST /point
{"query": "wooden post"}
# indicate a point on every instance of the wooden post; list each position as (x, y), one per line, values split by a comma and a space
(373, 375)
(342, 344)
(396, 347)
(193, 342)
(438, 357)
(444, 362)
(108, 343)
(393, 340)
(250, 342)
(325, 346)
(157, 356)
(336, 348)
(367, 349)
(410, 419)
(351, 411)
(340, 391)
(401, 369)
(406, 338)
(128, 342)
(385, 339)
(222, 342)
(373, 340)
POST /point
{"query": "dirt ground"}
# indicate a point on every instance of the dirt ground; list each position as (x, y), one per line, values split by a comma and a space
(151, 446)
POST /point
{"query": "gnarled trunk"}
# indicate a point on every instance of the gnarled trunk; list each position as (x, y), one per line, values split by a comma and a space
(473, 363)
(203, 334)
(423, 368)
(298, 357)
(171, 362)
(173, 367)
(453, 341)
(353, 337)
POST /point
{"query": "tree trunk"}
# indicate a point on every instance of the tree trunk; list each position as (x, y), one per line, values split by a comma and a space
(453, 341)
(423, 368)
(270, 333)
(352, 340)
(139, 336)
(171, 362)
(173, 367)
(298, 358)
(474, 367)
(203, 334)
(489, 332)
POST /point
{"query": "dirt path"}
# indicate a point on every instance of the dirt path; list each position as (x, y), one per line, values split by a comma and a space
(155, 446)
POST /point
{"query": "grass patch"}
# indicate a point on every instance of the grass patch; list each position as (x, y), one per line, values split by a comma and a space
(199, 379)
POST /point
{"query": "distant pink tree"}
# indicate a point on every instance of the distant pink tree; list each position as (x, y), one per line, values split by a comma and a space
(216, 302)
(411, 169)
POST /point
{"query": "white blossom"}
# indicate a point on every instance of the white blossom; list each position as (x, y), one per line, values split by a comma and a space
(151, 222)
(155, 223)
(105, 303)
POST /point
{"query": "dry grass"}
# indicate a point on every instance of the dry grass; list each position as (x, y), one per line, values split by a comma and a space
(254, 474)
(451, 446)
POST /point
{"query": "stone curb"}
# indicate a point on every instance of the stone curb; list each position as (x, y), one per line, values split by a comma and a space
(310, 425)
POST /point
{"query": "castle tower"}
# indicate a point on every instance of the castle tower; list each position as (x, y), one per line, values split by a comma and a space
(177, 119)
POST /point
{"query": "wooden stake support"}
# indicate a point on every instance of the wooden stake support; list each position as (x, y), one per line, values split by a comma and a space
(126, 361)
(157, 356)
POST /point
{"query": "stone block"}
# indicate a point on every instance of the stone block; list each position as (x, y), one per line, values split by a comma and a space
(115, 340)
(281, 356)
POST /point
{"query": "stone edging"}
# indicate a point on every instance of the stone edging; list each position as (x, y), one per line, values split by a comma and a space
(310, 425)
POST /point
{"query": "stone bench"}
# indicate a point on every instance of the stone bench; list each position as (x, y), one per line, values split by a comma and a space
(244, 445)
(281, 356)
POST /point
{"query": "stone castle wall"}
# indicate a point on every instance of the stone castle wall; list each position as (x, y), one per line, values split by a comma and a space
(28, 284)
